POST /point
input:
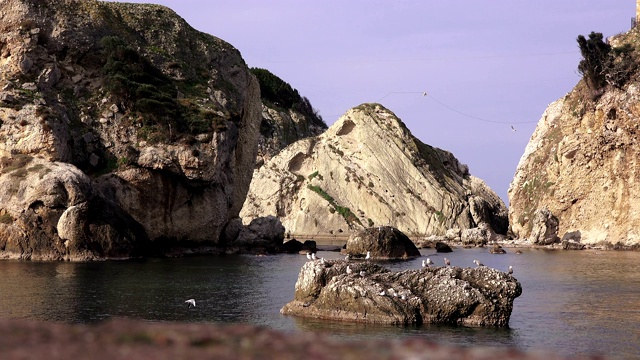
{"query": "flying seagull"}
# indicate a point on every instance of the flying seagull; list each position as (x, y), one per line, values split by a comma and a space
(512, 128)
(191, 302)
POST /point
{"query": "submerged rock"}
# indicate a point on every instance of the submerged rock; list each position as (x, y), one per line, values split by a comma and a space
(367, 292)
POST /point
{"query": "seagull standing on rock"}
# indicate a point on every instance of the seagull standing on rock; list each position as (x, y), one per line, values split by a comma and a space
(368, 255)
(447, 262)
(308, 256)
(191, 302)
(478, 263)
(510, 271)
(313, 256)
(349, 271)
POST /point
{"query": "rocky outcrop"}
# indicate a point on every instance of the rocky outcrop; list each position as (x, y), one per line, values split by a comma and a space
(157, 122)
(580, 168)
(382, 243)
(368, 170)
(365, 292)
(286, 116)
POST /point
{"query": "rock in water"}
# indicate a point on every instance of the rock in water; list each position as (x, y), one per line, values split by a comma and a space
(383, 243)
(367, 170)
(147, 128)
(446, 295)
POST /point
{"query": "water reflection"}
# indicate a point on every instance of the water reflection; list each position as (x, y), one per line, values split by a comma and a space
(572, 302)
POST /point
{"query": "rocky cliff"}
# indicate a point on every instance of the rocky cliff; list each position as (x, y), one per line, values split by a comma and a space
(368, 170)
(578, 177)
(286, 116)
(122, 129)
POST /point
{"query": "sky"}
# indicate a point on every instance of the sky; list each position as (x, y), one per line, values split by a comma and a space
(488, 67)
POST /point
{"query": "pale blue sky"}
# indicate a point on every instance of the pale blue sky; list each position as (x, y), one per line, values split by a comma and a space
(497, 60)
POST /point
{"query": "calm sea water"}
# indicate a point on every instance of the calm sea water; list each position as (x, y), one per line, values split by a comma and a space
(584, 302)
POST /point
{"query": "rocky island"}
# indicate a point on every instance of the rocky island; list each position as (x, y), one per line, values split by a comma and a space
(362, 291)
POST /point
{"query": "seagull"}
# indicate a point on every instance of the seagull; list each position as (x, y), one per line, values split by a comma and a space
(510, 271)
(347, 257)
(322, 261)
(349, 271)
(478, 263)
(382, 293)
(403, 297)
(424, 264)
(368, 255)
(424, 93)
(191, 302)
(363, 273)
(447, 262)
(313, 256)
(512, 128)
(308, 256)
(429, 262)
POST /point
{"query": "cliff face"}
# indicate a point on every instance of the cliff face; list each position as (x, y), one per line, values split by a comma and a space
(368, 170)
(138, 118)
(286, 116)
(578, 177)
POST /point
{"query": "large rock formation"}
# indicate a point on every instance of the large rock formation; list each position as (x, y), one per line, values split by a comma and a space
(286, 116)
(121, 127)
(450, 295)
(382, 243)
(579, 171)
(368, 170)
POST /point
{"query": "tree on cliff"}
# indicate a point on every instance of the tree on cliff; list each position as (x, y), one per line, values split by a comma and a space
(595, 53)
(603, 65)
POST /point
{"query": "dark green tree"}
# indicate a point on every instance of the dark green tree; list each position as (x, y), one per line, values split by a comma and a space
(595, 54)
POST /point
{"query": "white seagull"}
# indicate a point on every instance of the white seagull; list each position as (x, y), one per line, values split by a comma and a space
(313, 256)
(363, 273)
(191, 302)
(424, 263)
(322, 260)
(347, 257)
(510, 270)
(349, 271)
(478, 263)
(447, 262)
(308, 256)
(429, 262)
(368, 255)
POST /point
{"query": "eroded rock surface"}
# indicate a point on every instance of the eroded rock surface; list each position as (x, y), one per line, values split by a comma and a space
(147, 128)
(579, 171)
(382, 243)
(367, 292)
(367, 170)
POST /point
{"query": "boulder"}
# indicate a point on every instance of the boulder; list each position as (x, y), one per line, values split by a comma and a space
(383, 242)
(292, 246)
(369, 293)
(309, 246)
(572, 245)
(443, 247)
(497, 249)
(545, 228)
(474, 236)
(266, 232)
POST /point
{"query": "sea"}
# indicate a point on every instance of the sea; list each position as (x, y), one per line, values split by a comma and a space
(572, 303)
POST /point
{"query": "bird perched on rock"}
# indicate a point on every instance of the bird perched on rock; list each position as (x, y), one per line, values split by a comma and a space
(349, 271)
(368, 255)
(347, 257)
(478, 263)
(510, 271)
(313, 256)
(363, 273)
(322, 261)
(382, 293)
(191, 302)
(308, 256)
(447, 262)
(429, 262)
(424, 263)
